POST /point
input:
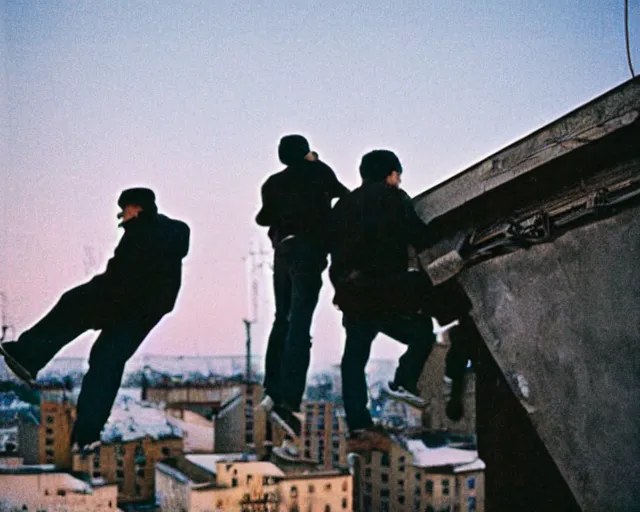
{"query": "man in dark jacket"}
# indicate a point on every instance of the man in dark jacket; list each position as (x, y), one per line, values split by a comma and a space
(296, 206)
(138, 287)
(373, 228)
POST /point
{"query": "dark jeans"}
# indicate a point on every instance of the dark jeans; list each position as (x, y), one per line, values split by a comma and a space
(414, 331)
(464, 344)
(297, 280)
(76, 312)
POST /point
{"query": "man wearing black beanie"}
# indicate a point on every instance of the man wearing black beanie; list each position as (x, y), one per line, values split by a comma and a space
(373, 230)
(296, 207)
(139, 286)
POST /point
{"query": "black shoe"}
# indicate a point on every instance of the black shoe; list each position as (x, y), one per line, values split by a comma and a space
(85, 450)
(369, 439)
(16, 363)
(287, 419)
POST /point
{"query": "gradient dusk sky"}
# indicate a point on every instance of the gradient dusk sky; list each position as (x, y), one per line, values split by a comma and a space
(190, 98)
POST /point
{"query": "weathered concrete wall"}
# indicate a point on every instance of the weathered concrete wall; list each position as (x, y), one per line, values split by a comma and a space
(562, 320)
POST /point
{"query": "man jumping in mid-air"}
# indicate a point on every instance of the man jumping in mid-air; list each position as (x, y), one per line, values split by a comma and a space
(296, 206)
(139, 286)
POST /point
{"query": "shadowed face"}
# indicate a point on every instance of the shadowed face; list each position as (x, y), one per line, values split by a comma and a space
(129, 212)
(393, 180)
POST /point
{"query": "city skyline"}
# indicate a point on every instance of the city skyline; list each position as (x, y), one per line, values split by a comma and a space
(191, 100)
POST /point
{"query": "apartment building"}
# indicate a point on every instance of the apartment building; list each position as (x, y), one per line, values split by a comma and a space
(196, 484)
(136, 436)
(57, 415)
(19, 428)
(324, 433)
(415, 476)
(229, 404)
(45, 488)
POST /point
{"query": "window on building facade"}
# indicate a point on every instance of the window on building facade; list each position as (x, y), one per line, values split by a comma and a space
(367, 472)
(49, 453)
(471, 483)
(49, 431)
(119, 474)
(165, 451)
(384, 493)
(445, 487)
(472, 504)
(401, 500)
(327, 508)
(345, 486)
(48, 441)
(49, 419)
(428, 487)
(430, 509)
(293, 492)
(345, 503)
(384, 478)
(384, 461)
(234, 482)
(327, 487)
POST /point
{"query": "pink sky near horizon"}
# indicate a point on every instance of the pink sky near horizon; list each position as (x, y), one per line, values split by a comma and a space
(191, 100)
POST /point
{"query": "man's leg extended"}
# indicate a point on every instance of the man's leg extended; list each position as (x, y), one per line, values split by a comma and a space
(115, 345)
(464, 342)
(275, 346)
(306, 275)
(357, 348)
(72, 315)
(416, 332)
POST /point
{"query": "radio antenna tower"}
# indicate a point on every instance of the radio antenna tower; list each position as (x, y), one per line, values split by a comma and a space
(255, 261)
(4, 325)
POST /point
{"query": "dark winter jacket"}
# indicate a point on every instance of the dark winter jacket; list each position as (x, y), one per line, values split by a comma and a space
(144, 275)
(372, 229)
(297, 201)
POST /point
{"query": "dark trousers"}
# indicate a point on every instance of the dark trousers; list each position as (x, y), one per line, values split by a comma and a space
(464, 345)
(76, 312)
(297, 280)
(414, 331)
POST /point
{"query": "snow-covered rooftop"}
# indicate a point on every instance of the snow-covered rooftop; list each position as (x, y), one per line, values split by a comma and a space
(209, 461)
(131, 419)
(425, 457)
(13, 409)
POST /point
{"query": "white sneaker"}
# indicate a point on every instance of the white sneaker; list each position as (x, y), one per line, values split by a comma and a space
(290, 448)
(399, 393)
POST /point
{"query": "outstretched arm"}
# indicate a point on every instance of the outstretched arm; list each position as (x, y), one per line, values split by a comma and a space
(420, 234)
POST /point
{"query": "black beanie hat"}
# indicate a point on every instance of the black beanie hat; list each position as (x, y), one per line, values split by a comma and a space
(292, 149)
(378, 164)
(140, 196)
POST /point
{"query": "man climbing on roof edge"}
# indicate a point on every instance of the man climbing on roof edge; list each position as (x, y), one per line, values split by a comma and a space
(373, 229)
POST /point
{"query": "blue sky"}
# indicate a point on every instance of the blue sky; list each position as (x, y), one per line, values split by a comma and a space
(191, 98)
